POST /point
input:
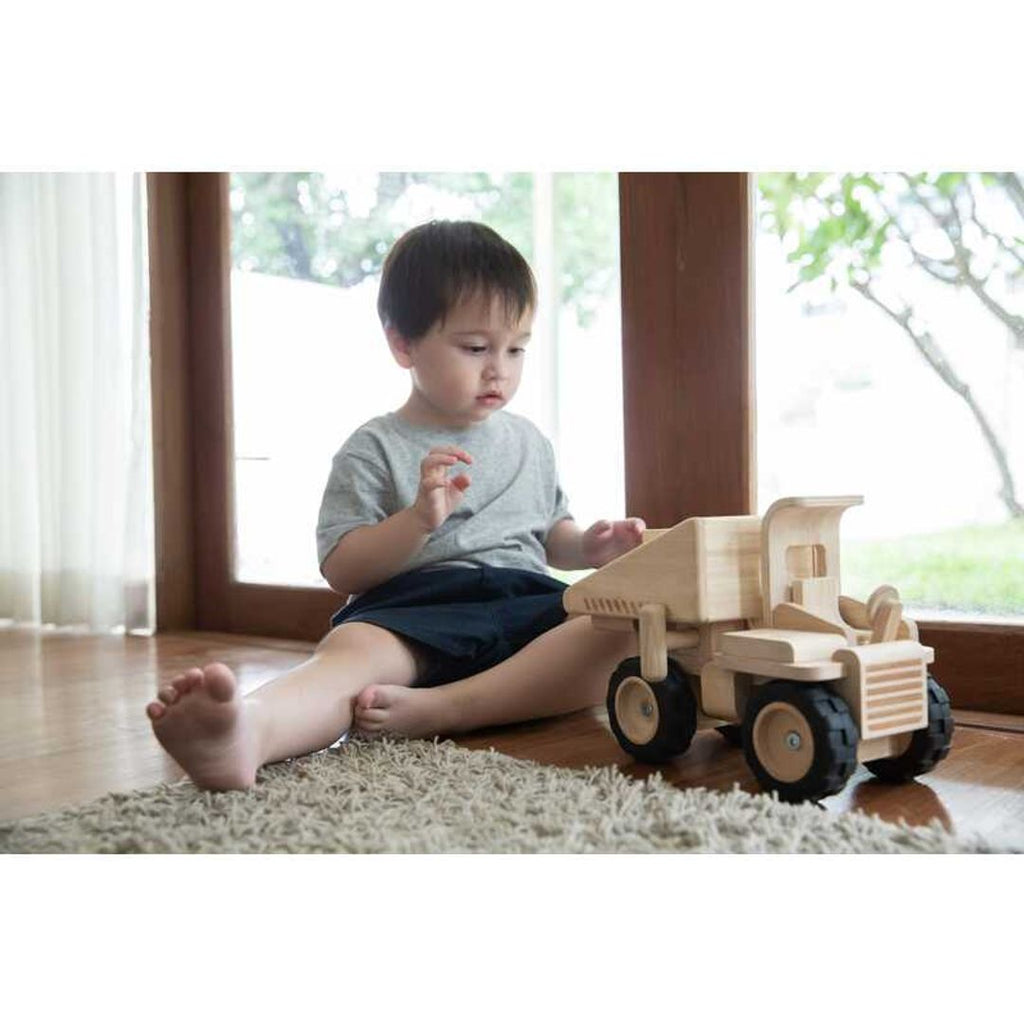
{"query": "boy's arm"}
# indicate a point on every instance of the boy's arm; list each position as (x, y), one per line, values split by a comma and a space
(369, 555)
(564, 546)
(569, 547)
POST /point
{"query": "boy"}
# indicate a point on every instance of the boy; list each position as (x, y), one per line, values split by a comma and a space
(453, 622)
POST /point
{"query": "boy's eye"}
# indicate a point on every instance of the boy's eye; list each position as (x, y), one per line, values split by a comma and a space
(476, 349)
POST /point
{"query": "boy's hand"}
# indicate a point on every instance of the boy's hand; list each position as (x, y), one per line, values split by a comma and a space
(439, 496)
(606, 540)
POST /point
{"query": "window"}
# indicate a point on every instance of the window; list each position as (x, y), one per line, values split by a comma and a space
(890, 363)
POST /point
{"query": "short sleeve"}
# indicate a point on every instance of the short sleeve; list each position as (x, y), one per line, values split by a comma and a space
(559, 500)
(561, 506)
(359, 492)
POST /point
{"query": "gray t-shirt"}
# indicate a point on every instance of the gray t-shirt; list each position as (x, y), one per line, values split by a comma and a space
(513, 501)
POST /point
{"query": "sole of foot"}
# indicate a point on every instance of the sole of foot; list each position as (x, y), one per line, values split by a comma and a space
(200, 721)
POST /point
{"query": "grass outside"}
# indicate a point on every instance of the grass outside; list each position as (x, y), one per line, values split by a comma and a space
(971, 570)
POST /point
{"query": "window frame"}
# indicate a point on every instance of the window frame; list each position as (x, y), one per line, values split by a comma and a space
(687, 242)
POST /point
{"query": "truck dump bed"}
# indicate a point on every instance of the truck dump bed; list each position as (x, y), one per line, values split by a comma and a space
(704, 569)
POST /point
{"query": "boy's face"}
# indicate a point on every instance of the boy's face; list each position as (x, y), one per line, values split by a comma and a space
(467, 367)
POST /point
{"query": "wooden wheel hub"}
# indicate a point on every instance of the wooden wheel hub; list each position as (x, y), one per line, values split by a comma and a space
(636, 709)
(783, 741)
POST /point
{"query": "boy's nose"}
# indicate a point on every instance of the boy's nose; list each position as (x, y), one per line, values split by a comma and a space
(497, 368)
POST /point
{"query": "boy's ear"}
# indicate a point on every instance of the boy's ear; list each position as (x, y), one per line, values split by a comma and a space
(400, 348)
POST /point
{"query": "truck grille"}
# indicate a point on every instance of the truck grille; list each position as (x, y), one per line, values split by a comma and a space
(611, 606)
(894, 698)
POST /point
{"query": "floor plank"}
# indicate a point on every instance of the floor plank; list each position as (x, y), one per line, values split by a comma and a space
(72, 728)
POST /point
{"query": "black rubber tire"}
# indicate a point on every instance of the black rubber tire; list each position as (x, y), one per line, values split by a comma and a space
(833, 730)
(928, 746)
(733, 734)
(677, 713)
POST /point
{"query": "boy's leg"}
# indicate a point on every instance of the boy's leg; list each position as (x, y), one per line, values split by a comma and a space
(221, 738)
(310, 707)
(562, 670)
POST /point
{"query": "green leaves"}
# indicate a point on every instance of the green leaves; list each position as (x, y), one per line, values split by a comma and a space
(831, 224)
(311, 227)
(839, 225)
(948, 184)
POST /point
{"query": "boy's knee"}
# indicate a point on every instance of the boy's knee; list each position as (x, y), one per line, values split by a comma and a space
(377, 646)
(356, 636)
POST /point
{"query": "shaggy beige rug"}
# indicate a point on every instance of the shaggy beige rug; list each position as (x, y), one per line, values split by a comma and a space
(421, 797)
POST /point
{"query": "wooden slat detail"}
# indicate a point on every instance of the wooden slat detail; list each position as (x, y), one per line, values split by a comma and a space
(909, 696)
(881, 722)
(888, 691)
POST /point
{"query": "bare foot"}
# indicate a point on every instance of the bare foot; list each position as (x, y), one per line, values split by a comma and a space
(401, 711)
(200, 721)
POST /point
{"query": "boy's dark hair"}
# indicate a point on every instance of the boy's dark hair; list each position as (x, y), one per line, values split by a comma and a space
(433, 266)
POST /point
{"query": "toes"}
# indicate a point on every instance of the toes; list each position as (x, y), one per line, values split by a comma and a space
(179, 686)
(365, 728)
(371, 716)
(371, 697)
(219, 681)
(155, 710)
(187, 682)
(216, 679)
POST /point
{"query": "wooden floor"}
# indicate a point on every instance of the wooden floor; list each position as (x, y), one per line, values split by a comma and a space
(72, 728)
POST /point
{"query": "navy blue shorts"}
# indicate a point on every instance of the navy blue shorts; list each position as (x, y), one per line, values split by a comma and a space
(467, 619)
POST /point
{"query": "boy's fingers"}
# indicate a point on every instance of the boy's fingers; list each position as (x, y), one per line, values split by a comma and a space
(436, 476)
(632, 524)
(450, 449)
(435, 467)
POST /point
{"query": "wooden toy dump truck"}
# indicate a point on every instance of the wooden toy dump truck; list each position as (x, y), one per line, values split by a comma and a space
(765, 648)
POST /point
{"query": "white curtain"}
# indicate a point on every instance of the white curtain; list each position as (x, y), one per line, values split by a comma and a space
(76, 495)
